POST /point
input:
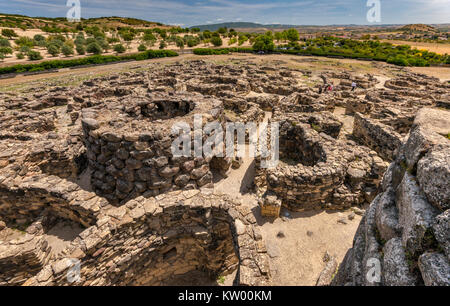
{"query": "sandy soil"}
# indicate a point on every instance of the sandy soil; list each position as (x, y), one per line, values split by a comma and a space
(296, 259)
(61, 235)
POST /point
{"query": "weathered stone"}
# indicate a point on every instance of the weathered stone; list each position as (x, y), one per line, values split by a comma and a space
(435, 269)
(395, 265)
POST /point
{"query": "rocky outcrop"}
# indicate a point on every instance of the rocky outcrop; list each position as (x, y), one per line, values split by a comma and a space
(403, 238)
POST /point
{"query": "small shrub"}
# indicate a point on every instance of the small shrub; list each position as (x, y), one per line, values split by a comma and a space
(6, 50)
(67, 50)
(142, 48)
(94, 48)
(53, 49)
(216, 41)
(20, 55)
(119, 48)
(4, 42)
(9, 33)
(81, 50)
(34, 55)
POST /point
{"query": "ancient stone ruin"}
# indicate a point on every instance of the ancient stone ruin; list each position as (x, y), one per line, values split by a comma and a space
(88, 176)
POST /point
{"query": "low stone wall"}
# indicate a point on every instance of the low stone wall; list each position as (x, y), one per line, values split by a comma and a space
(405, 230)
(379, 137)
(21, 259)
(316, 171)
(149, 241)
(22, 203)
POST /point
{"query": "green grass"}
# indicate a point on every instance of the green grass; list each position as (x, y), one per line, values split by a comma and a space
(221, 280)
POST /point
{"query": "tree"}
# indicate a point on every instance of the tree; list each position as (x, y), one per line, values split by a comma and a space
(162, 44)
(24, 41)
(9, 33)
(94, 48)
(148, 37)
(142, 48)
(264, 43)
(53, 49)
(292, 35)
(67, 50)
(278, 36)
(6, 50)
(222, 30)
(127, 36)
(81, 50)
(38, 37)
(119, 48)
(242, 39)
(179, 42)
(207, 34)
(216, 41)
(4, 42)
(34, 56)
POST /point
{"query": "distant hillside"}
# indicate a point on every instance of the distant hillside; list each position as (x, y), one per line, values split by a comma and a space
(25, 22)
(418, 28)
(242, 25)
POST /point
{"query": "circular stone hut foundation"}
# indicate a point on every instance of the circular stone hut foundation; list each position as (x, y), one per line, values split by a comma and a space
(129, 145)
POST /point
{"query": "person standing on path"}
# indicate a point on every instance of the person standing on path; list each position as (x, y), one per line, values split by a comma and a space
(353, 86)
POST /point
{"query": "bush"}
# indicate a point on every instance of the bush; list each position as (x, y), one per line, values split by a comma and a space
(20, 55)
(53, 49)
(6, 50)
(216, 41)
(209, 51)
(9, 33)
(119, 48)
(398, 60)
(192, 43)
(25, 49)
(4, 42)
(81, 50)
(142, 48)
(264, 43)
(94, 48)
(34, 56)
(67, 50)
(24, 41)
(162, 44)
(38, 37)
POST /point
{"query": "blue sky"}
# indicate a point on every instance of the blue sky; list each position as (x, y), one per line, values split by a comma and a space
(188, 13)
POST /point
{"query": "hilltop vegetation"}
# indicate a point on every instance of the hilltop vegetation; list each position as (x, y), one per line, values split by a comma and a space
(61, 25)
(418, 28)
(114, 36)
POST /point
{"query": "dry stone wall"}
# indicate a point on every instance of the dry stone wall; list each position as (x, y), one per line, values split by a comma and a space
(149, 241)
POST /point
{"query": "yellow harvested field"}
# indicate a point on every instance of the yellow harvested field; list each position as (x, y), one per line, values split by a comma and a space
(433, 47)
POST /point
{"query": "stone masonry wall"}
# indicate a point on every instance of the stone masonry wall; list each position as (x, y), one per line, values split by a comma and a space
(379, 137)
(148, 241)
